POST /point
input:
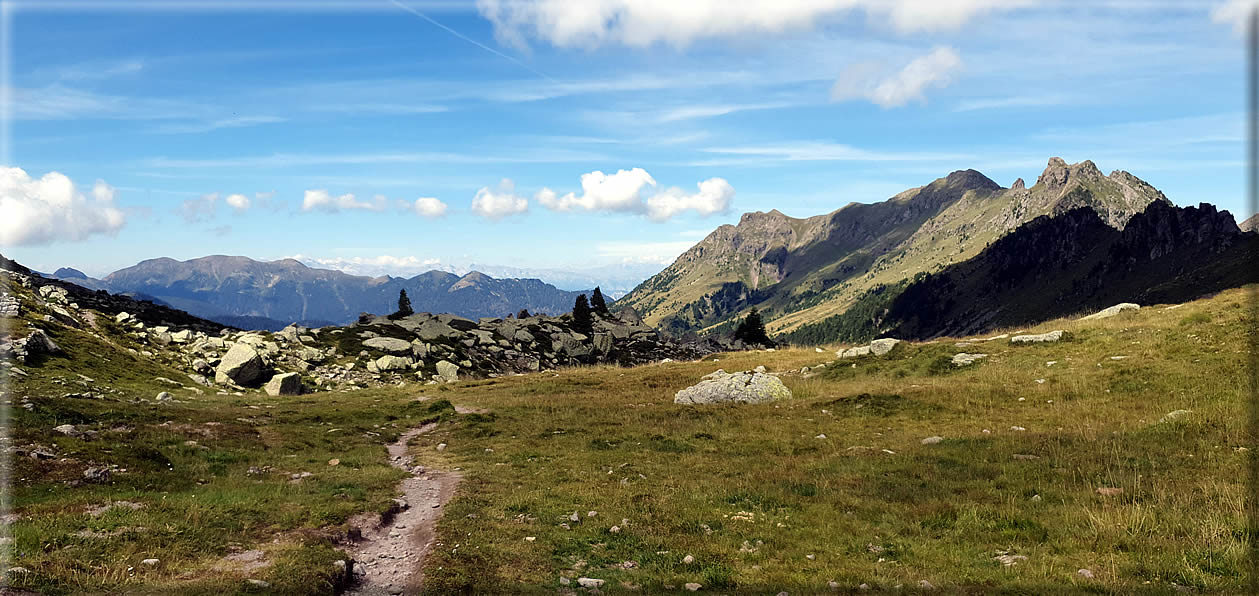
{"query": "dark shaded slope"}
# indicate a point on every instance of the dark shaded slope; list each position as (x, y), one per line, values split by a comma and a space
(1059, 266)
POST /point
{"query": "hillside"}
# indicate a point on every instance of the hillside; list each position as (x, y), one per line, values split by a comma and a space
(1113, 461)
(269, 295)
(1057, 266)
(802, 270)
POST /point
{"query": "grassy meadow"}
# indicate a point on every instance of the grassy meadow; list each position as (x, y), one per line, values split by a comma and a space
(822, 493)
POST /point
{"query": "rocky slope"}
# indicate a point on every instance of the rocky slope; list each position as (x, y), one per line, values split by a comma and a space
(1058, 266)
(802, 270)
(268, 295)
(374, 350)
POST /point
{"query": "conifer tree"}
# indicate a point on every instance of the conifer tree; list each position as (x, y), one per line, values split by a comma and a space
(752, 330)
(583, 322)
(598, 304)
(404, 304)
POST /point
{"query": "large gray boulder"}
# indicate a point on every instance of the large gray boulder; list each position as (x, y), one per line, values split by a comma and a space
(880, 347)
(392, 363)
(447, 371)
(854, 352)
(1106, 313)
(38, 342)
(284, 384)
(389, 345)
(1037, 338)
(241, 365)
(748, 387)
(602, 342)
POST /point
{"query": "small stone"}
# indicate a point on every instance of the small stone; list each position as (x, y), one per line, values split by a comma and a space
(810, 557)
(564, 581)
(692, 587)
(590, 582)
(1084, 573)
(932, 440)
(1109, 491)
(258, 583)
(164, 397)
(615, 529)
(68, 430)
(863, 587)
(820, 436)
(925, 585)
(441, 446)
(150, 562)
(688, 559)
(530, 538)
(333, 462)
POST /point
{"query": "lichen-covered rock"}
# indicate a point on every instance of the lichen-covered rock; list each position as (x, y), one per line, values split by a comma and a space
(746, 387)
(854, 352)
(447, 371)
(284, 384)
(241, 365)
(1052, 336)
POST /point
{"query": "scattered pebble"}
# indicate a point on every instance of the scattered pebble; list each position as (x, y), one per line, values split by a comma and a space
(1085, 573)
(692, 587)
(688, 559)
(932, 440)
(150, 562)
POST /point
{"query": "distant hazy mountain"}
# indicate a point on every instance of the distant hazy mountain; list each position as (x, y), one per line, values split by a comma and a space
(799, 271)
(243, 292)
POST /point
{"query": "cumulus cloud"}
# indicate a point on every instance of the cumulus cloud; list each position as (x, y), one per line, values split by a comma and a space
(429, 207)
(238, 202)
(591, 23)
(622, 191)
(1234, 12)
(870, 81)
(320, 200)
(714, 196)
(500, 202)
(51, 209)
(635, 191)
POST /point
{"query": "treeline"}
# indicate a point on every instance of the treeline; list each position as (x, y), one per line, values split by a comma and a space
(860, 323)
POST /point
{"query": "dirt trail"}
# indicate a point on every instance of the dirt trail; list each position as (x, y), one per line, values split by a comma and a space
(391, 555)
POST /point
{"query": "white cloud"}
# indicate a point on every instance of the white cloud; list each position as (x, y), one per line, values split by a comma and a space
(429, 207)
(374, 266)
(814, 151)
(591, 23)
(51, 209)
(1017, 101)
(714, 196)
(209, 125)
(1234, 12)
(867, 81)
(635, 191)
(200, 208)
(503, 201)
(320, 200)
(238, 202)
(621, 191)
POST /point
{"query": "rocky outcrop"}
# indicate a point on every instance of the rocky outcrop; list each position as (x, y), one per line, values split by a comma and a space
(747, 387)
(389, 344)
(877, 347)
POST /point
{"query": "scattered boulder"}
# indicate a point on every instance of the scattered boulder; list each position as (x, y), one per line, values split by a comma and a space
(1052, 336)
(164, 398)
(392, 363)
(853, 352)
(965, 359)
(880, 347)
(746, 387)
(590, 583)
(1106, 313)
(241, 365)
(1174, 414)
(932, 440)
(68, 430)
(284, 384)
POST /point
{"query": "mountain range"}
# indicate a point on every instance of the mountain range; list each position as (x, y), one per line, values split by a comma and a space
(798, 271)
(242, 292)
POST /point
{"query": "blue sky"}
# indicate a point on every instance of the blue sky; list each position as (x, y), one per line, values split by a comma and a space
(541, 133)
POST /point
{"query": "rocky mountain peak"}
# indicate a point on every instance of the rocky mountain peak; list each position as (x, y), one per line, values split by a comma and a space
(1058, 174)
(1018, 185)
(968, 180)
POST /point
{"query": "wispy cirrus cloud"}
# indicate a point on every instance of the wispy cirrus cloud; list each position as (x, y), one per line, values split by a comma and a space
(813, 151)
(211, 125)
(525, 155)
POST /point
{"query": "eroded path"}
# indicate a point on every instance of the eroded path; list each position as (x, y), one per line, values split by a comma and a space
(390, 557)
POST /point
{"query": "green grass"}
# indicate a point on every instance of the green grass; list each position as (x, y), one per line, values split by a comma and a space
(748, 491)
